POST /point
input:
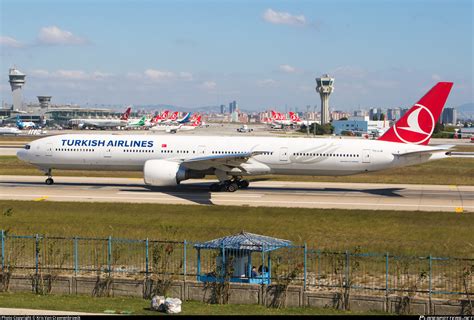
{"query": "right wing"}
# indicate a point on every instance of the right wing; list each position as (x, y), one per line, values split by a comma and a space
(224, 162)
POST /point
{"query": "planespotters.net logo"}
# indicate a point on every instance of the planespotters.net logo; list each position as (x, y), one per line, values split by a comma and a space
(417, 127)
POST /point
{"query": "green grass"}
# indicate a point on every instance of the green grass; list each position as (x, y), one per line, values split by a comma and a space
(137, 306)
(455, 171)
(398, 232)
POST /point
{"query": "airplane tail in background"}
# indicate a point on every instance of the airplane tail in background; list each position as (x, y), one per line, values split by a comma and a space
(185, 119)
(155, 119)
(274, 115)
(19, 123)
(197, 122)
(294, 117)
(126, 114)
(417, 125)
(174, 116)
(142, 121)
(164, 114)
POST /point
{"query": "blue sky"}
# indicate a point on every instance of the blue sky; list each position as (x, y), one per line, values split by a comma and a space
(260, 53)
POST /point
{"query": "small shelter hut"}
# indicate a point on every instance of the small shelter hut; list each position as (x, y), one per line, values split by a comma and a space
(234, 256)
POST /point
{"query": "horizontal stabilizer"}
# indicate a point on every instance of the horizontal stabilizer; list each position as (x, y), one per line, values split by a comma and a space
(425, 151)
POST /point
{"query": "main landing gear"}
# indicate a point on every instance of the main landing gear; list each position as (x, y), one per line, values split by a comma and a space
(49, 181)
(230, 185)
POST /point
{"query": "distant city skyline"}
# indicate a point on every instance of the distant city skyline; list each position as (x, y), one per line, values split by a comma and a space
(261, 54)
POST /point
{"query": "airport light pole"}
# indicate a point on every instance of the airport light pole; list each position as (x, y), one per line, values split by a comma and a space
(307, 119)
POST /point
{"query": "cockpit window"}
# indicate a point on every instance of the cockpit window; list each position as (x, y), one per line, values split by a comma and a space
(27, 146)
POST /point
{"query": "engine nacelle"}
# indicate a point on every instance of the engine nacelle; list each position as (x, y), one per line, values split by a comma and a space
(163, 173)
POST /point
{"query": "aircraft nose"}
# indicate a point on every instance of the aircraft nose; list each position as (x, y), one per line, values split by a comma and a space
(22, 154)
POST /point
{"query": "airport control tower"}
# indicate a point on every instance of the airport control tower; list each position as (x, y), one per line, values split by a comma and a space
(44, 101)
(17, 80)
(325, 86)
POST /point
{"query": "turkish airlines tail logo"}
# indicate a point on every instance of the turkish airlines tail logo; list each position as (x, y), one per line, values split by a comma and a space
(164, 114)
(126, 114)
(174, 116)
(417, 125)
(197, 122)
(294, 117)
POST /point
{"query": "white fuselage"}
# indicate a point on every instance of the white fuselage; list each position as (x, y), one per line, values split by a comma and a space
(100, 123)
(288, 156)
(9, 130)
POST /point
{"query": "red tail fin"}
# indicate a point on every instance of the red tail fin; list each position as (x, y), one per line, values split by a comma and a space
(274, 115)
(294, 117)
(164, 114)
(417, 125)
(174, 116)
(126, 114)
(197, 122)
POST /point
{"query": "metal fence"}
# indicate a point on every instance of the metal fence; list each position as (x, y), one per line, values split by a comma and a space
(316, 270)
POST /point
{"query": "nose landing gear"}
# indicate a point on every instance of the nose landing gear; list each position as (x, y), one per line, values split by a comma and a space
(49, 181)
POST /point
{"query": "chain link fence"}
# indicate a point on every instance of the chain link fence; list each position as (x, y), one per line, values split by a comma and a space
(316, 270)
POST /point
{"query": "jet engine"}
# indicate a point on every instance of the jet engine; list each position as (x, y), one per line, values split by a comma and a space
(163, 173)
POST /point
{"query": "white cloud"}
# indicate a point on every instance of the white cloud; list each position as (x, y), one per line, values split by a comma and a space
(100, 75)
(52, 35)
(287, 68)
(276, 17)
(39, 73)
(69, 74)
(10, 42)
(158, 75)
(134, 75)
(164, 76)
(436, 77)
(209, 85)
(266, 83)
(187, 76)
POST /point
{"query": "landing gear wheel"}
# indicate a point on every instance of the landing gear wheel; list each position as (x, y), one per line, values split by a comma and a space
(244, 184)
(49, 181)
(232, 187)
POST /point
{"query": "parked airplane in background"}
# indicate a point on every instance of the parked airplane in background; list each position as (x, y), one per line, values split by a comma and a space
(178, 127)
(162, 117)
(137, 124)
(9, 130)
(103, 123)
(295, 119)
(185, 118)
(168, 160)
(172, 118)
(280, 119)
(25, 124)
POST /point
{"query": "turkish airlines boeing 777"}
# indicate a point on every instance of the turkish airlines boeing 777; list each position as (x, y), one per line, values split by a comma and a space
(168, 160)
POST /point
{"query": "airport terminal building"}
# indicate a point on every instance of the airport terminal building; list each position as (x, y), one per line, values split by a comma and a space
(358, 125)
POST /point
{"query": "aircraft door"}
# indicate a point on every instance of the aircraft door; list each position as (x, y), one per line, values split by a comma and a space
(283, 154)
(201, 150)
(49, 149)
(108, 153)
(366, 156)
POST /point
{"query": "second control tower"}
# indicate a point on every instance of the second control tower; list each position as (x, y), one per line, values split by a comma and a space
(325, 86)
(17, 80)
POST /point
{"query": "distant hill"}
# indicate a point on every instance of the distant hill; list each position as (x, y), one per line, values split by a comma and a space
(465, 111)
